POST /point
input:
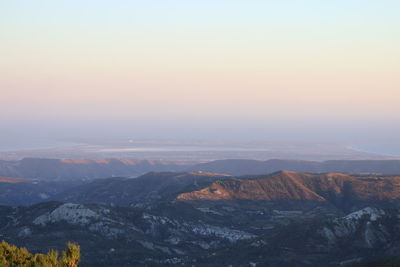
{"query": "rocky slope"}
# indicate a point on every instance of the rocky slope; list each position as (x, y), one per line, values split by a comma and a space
(179, 234)
(116, 236)
(364, 234)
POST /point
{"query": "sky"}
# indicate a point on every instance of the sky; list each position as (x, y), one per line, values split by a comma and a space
(287, 69)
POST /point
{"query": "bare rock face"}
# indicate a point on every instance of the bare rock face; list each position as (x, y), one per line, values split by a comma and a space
(372, 213)
(94, 219)
(70, 213)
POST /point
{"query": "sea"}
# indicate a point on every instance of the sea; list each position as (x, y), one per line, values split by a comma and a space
(389, 149)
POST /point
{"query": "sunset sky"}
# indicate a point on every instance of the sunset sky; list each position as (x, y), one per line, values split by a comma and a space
(217, 65)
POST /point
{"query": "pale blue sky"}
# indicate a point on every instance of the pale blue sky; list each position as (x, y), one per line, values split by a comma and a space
(300, 62)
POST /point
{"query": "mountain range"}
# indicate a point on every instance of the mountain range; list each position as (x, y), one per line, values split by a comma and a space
(207, 219)
(200, 218)
(84, 169)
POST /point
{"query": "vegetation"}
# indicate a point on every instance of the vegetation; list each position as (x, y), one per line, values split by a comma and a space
(12, 256)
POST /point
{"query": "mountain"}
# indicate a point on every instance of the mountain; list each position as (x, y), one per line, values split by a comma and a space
(345, 192)
(81, 169)
(176, 233)
(132, 191)
(209, 219)
(282, 190)
(116, 236)
(364, 234)
(248, 167)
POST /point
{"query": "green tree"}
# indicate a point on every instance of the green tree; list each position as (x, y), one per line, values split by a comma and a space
(71, 256)
(12, 256)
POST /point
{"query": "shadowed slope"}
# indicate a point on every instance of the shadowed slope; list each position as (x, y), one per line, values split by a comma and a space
(129, 191)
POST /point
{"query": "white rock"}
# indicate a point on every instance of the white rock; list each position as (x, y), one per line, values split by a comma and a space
(374, 214)
(71, 213)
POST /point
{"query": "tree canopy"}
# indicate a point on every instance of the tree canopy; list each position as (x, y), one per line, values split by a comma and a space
(12, 256)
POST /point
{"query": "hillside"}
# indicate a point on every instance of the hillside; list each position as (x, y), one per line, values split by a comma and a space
(115, 236)
(144, 189)
(178, 234)
(343, 191)
(368, 233)
(19, 191)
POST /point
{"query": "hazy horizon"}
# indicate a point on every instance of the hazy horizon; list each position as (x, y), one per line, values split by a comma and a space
(265, 70)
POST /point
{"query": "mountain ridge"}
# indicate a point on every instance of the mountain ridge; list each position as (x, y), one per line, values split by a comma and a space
(341, 190)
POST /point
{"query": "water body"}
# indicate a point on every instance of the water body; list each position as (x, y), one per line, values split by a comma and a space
(389, 149)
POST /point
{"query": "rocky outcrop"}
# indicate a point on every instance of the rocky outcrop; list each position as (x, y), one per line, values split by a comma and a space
(181, 230)
(366, 226)
(69, 213)
(96, 219)
(103, 221)
(177, 233)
